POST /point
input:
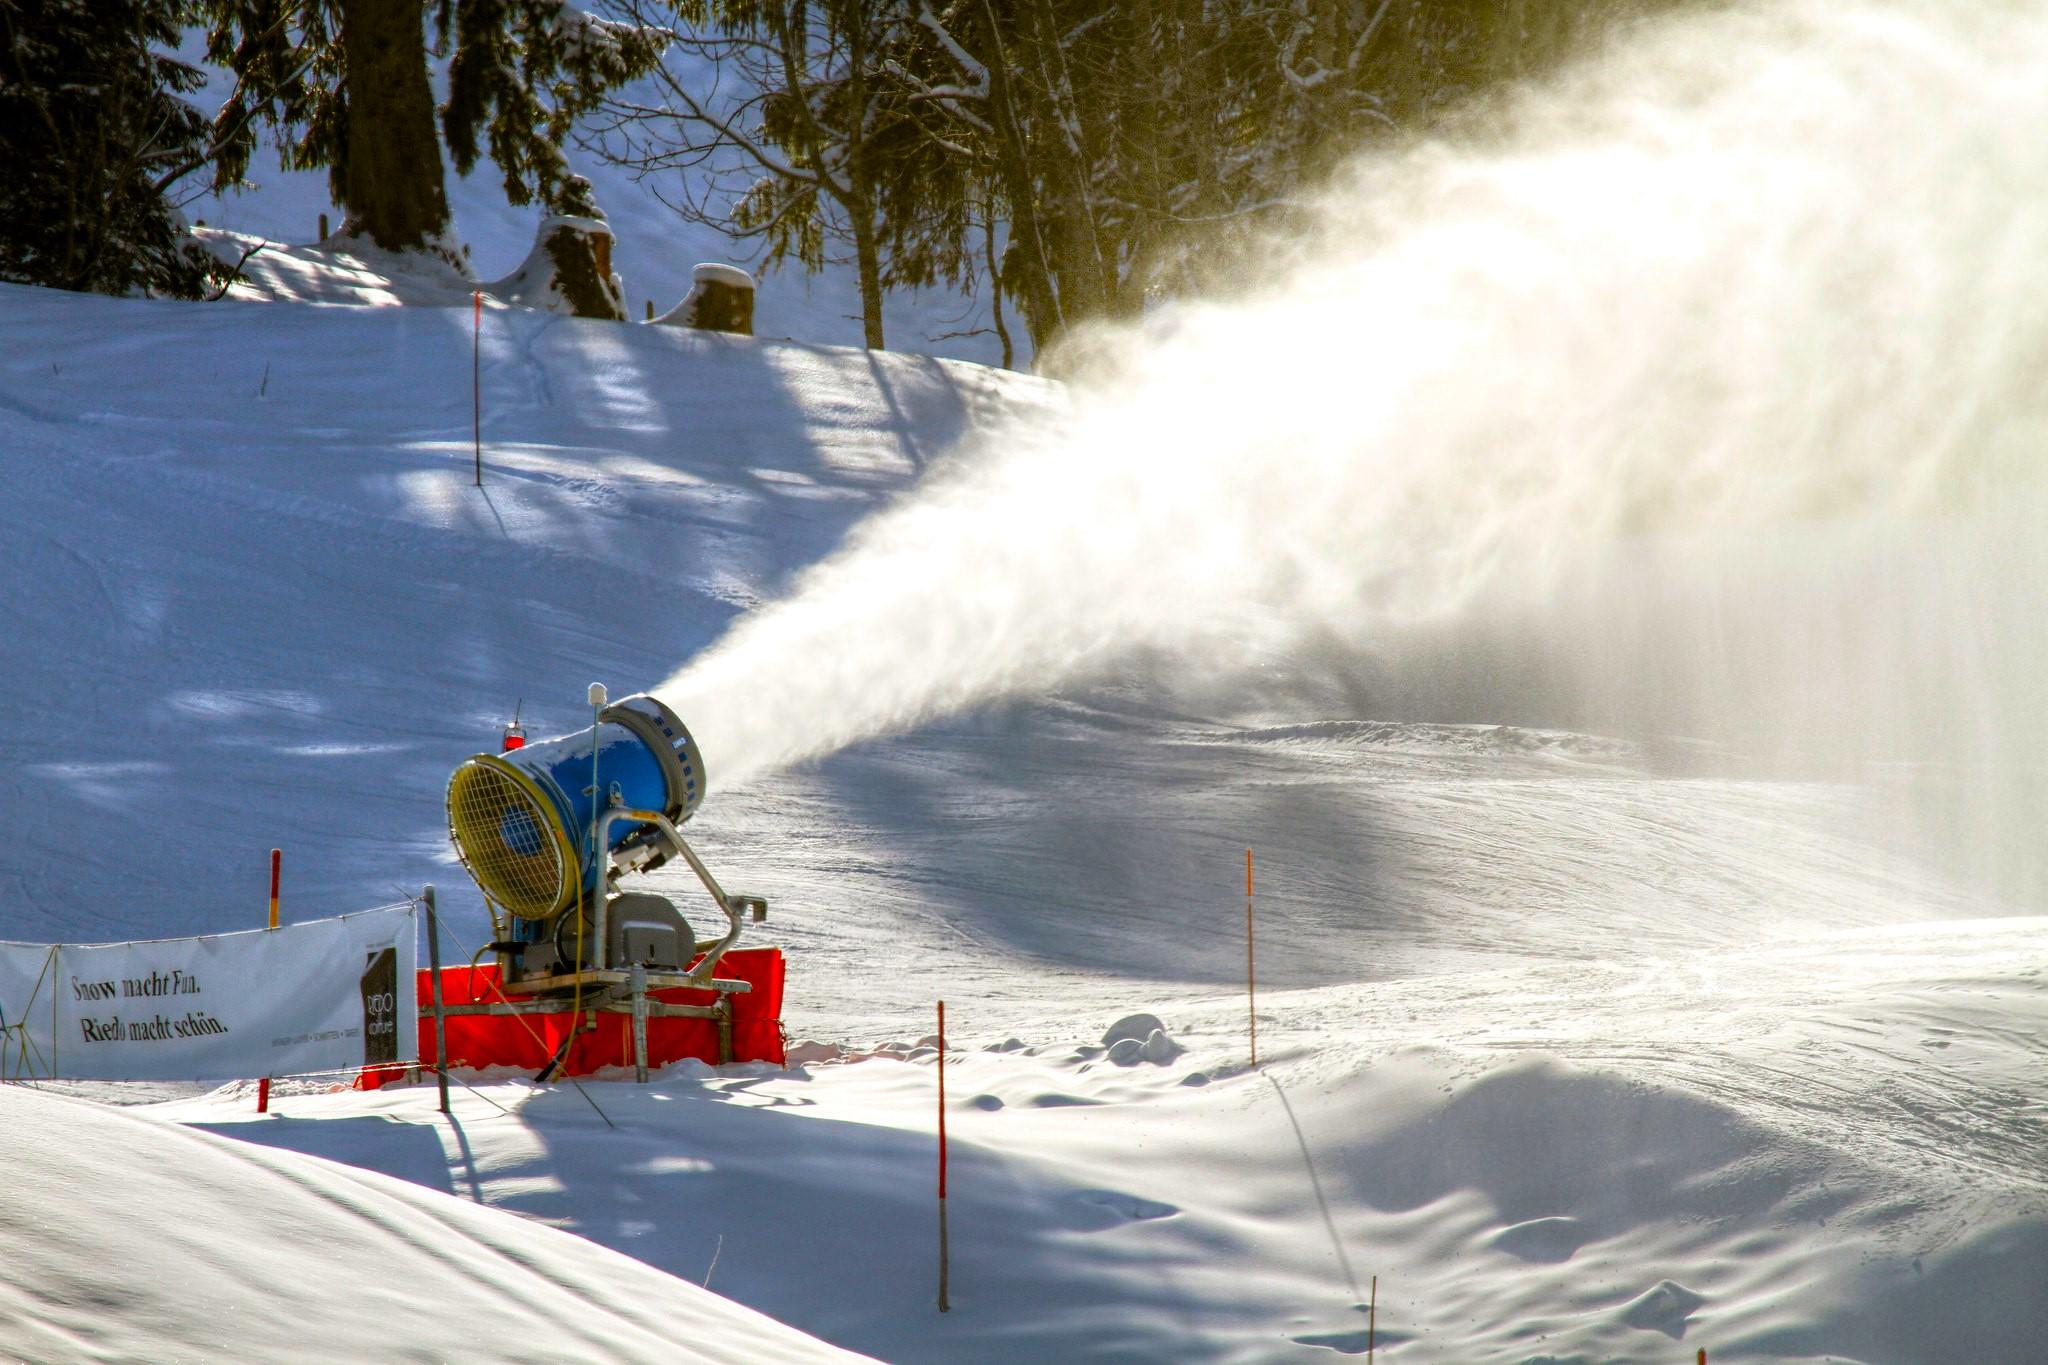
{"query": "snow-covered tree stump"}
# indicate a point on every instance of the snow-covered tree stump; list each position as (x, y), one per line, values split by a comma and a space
(721, 299)
(568, 271)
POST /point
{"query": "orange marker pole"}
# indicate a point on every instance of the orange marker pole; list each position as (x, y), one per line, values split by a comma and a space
(944, 1306)
(276, 864)
(1251, 990)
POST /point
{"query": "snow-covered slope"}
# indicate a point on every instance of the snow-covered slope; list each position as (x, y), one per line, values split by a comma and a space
(255, 597)
(1546, 1020)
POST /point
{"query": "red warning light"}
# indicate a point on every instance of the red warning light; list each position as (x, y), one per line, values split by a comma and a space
(515, 737)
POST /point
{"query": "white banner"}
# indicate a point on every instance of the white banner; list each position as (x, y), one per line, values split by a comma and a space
(326, 995)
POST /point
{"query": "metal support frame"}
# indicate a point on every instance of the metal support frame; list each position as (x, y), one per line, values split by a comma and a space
(639, 1007)
(700, 975)
(619, 992)
(628, 998)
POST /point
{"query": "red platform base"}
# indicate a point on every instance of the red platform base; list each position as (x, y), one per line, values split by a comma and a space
(527, 1041)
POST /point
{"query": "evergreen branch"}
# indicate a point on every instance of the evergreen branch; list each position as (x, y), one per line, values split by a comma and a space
(234, 275)
(222, 140)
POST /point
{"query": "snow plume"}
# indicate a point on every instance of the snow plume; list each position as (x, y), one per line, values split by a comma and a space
(1702, 392)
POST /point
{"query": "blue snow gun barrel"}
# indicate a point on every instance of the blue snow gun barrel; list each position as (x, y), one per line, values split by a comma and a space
(523, 821)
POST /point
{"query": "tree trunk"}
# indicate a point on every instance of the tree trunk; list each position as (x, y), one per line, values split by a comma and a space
(860, 205)
(1027, 267)
(391, 185)
(868, 258)
(1085, 273)
(995, 286)
(1030, 278)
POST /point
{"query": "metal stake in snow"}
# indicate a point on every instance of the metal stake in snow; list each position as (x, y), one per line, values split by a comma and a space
(276, 863)
(944, 1306)
(434, 992)
(476, 383)
(1251, 994)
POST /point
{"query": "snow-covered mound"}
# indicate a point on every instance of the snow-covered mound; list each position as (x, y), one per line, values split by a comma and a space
(1823, 1152)
(349, 270)
(339, 270)
(134, 1241)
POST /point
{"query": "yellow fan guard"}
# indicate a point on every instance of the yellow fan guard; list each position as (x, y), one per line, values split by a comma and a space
(489, 800)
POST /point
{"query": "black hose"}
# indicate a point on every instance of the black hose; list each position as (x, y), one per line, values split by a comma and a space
(568, 1040)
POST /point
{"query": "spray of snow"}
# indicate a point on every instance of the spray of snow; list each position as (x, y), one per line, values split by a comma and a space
(1699, 392)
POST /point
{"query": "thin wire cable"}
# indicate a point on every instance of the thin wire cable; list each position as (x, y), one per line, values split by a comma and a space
(28, 1044)
(499, 989)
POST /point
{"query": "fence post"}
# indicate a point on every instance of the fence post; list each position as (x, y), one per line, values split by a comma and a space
(434, 993)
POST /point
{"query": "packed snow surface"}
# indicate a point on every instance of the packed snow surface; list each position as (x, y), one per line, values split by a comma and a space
(1650, 952)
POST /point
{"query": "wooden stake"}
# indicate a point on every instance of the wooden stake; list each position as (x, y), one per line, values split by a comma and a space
(276, 864)
(1251, 991)
(944, 1306)
(1372, 1317)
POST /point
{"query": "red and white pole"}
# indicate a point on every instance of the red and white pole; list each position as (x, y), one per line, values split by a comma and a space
(276, 865)
(944, 1306)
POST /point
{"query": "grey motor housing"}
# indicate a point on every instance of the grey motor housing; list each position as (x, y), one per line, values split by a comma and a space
(649, 931)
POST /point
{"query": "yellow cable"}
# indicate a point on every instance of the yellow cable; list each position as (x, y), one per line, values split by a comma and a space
(576, 998)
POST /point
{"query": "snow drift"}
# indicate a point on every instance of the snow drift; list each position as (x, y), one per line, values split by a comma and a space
(130, 1241)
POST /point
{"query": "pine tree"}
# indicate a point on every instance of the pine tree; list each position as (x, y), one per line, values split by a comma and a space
(344, 85)
(1133, 148)
(1120, 151)
(95, 137)
(817, 148)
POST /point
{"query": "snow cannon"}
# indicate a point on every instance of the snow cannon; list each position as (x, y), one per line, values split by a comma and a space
(548, 828)
(524, 820)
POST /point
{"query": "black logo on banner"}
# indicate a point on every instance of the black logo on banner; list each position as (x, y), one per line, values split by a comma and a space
(380, 1008)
